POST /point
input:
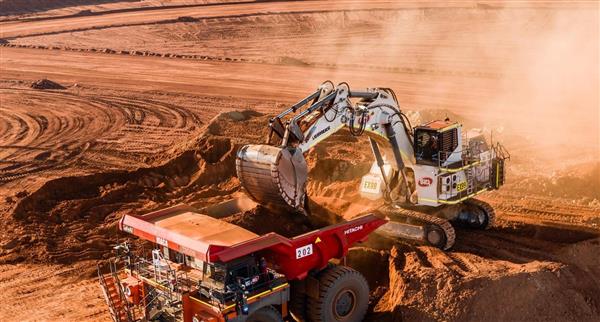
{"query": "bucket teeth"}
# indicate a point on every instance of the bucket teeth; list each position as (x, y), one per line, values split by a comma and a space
(273, 176)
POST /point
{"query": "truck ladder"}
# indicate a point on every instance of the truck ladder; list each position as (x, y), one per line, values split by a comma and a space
(112, 295)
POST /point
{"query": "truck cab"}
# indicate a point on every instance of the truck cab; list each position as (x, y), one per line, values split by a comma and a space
(234, 290)
(224, 284)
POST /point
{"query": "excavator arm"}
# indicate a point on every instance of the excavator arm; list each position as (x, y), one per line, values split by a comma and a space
(275, 174)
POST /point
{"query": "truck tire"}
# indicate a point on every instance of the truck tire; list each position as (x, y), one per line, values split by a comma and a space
(343, 296)
(265, 314)
(298, 303)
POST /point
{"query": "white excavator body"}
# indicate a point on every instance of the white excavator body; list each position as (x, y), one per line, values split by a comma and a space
(421, 173)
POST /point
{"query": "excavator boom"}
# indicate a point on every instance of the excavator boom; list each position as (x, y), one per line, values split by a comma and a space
(275, 174)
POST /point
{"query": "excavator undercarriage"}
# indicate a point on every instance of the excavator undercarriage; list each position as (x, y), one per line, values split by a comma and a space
(427, 176)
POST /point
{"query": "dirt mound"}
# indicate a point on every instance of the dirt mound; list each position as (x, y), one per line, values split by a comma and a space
(46, 84)
(372, 264)
(263, 221)
(187, 19)
(74, 218)
(428, 285)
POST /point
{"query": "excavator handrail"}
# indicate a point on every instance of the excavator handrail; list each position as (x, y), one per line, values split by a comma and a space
(501, 151)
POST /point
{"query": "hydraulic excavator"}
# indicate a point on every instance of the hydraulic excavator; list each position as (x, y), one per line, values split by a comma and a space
(427, 176)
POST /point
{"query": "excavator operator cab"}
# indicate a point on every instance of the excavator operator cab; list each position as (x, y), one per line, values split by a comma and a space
(435, 141)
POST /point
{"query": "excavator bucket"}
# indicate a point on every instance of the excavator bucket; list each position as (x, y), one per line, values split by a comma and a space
(273, 176)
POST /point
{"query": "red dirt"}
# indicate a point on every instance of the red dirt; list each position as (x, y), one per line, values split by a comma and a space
(72, 219)
(154, 120)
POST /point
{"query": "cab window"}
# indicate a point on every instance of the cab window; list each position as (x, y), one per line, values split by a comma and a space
(426, 146)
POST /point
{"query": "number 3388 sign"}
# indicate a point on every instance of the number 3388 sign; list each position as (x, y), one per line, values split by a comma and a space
(304, 251)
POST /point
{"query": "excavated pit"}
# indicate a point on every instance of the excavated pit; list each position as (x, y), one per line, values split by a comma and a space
(516, 271)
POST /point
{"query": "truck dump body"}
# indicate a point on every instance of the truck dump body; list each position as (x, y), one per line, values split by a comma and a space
(297, 256)
(229, 273)
(183, 229)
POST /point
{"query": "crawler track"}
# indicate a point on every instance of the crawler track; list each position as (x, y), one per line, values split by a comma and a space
(487, 208)
(443, 224)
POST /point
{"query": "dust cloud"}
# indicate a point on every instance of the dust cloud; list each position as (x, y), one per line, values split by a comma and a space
(549, 88)
(538, 69)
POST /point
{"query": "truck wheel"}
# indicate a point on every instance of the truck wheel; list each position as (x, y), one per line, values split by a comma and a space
(265, 314)
(343, 296)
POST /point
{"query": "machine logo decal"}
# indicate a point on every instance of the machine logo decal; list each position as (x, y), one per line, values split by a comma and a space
(425, 182)
(353, 230)
(162, 241)
(323, 131)
(304, 251)
(128, 229)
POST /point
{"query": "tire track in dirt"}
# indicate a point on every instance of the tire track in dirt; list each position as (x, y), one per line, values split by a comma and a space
(547, 210)
(64, 126)
(194, 29)
(33, 293)
(215, 12)
(521, 242)
(14, 9)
